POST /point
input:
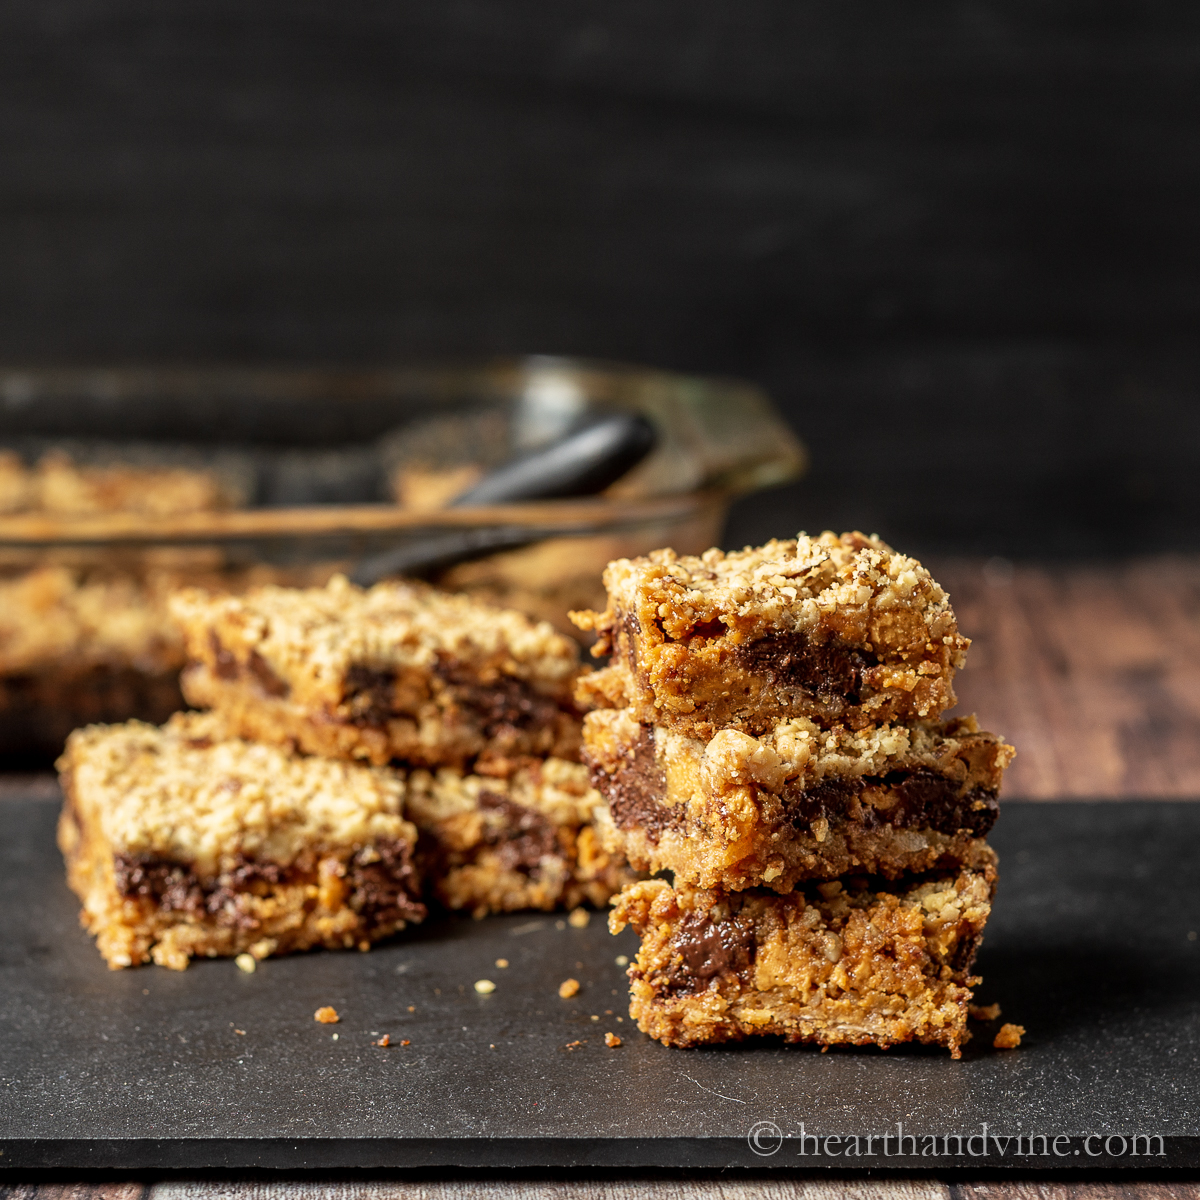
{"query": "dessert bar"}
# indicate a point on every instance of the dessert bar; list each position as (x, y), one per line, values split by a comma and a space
(840, 630)
(399, 671)
(796, 803)
(81, 646)
(182, 841)
(91, 643)
(526, 841)
(63, 487)
(856, 961)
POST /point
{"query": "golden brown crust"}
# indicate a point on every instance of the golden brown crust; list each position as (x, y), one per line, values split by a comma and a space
(503, 844)
(840, 630)
(796, 803)
(398, 671)
(182, 841)
(831, 964)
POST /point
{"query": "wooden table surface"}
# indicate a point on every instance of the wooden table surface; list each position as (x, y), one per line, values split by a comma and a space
(1094, 674)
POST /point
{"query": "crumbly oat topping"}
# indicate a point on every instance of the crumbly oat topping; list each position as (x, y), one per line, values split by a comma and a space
(186, 793)
(312, 638)
(801, 749)
(558, 790)
(855, 582)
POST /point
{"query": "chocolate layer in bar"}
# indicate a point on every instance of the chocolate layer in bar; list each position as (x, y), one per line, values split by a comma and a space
(798, 802)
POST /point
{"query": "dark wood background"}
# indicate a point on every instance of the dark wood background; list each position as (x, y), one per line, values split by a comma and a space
(958, 241)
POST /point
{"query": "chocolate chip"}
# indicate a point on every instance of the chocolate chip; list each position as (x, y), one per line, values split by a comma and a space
(635, 789)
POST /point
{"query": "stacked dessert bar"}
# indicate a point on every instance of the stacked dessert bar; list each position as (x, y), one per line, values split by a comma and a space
(363, 750)
(769, 730)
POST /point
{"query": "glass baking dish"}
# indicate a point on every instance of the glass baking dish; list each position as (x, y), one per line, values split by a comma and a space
(118, 485)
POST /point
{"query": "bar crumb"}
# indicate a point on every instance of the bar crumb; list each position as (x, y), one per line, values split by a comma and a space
(327, 1015)
(1009, 1037)
(611, 1041)
(568, 988)
(579, 918)
(983, 1012)
(247, 963)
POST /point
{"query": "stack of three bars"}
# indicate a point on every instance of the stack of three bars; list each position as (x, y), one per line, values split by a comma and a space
(364, 750)
(770, 733)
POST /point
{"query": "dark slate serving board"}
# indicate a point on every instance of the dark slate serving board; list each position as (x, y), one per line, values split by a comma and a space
(1089, 948)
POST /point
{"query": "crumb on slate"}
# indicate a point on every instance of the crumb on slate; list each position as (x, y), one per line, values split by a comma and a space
(622, 960)
(611, 1041)
(574, 1045)
(327, 1015)
(579, 918)
(1009, 1037)
(484, 986)
(247, 963)
(386, 1040)
(405, 1042)
(568, 988)
(502, 963)
(983, 1012)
